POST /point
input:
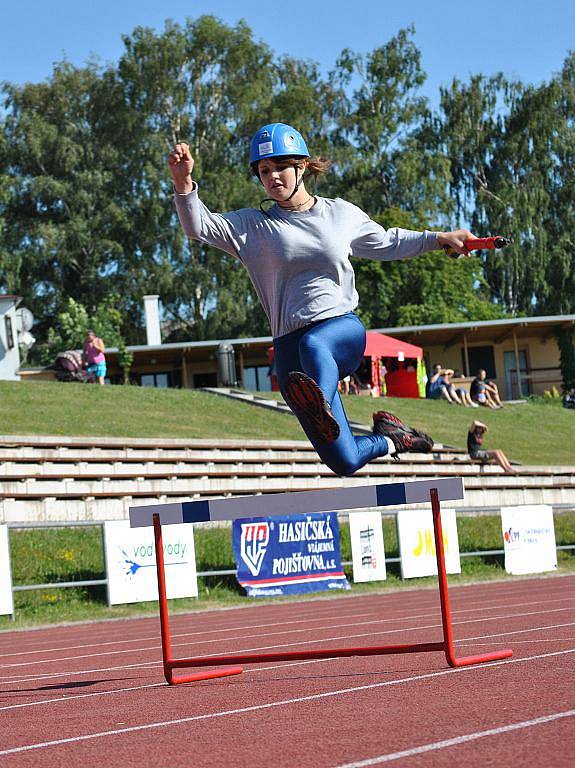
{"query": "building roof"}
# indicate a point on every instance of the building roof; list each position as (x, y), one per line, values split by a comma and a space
(492, 331)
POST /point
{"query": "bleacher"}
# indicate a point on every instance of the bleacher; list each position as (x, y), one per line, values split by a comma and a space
(50, 478)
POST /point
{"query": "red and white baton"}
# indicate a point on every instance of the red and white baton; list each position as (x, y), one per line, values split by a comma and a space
(479, 244)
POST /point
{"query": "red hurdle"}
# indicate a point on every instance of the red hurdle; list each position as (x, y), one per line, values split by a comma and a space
(232, 664)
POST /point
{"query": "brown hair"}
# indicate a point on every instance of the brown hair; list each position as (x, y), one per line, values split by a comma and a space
(315, 165)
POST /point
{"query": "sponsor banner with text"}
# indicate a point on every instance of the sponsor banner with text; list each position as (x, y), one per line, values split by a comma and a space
(529, 539)
(367, 548)
(131, 562)
(417, 542)
(6, 601)
(286, 555)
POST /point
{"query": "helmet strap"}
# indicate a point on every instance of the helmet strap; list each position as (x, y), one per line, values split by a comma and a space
(297, 182)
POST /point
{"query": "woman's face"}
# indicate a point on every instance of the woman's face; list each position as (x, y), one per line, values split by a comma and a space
(278, 179)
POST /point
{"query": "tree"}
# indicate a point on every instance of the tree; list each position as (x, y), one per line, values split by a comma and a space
(511, 149)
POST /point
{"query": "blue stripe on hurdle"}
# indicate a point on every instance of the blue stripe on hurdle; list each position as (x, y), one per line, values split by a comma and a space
(195, 512)
(389, 494)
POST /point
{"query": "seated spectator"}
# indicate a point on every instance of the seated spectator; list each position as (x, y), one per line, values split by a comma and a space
(478, 453)
(479, 391)
(451, 389)
(439, 385)
(569, 398)
(464, 395)
(493, 390)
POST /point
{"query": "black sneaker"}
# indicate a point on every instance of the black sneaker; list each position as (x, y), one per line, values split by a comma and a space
(307, 401)
(412, 441)
(386, 420)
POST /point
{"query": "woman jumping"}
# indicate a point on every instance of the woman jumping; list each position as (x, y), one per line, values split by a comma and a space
(297, 256)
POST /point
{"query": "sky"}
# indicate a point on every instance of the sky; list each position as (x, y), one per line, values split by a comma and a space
(525, 39)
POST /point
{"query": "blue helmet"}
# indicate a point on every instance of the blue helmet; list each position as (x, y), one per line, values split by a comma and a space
(277, 140)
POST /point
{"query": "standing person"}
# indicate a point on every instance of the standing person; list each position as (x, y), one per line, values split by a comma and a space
(297, 255)
(93, 357)
(478, 453)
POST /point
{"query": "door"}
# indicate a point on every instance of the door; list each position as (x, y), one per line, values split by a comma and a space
(511, 378)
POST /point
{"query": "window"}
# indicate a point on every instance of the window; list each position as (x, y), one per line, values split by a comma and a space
(257, 379)
(154, 380)
(9, 332)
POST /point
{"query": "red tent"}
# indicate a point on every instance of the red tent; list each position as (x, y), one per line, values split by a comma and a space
(400, 376)
(379, 345)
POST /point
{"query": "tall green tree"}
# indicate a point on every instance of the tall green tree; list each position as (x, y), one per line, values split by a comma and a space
(511, 149)
(61, 212)
(207, 84)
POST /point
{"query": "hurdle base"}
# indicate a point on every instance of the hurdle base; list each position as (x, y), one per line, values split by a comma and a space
(446, 645)
(326, 653)
(195, 677)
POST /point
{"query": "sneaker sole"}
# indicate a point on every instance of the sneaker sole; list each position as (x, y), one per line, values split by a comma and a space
(306, 399)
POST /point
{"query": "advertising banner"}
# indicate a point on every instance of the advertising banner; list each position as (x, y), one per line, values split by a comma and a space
(286, 555)
(417, 543)
(367, 549)
(6, 602)
(529, 539)
(131, 562)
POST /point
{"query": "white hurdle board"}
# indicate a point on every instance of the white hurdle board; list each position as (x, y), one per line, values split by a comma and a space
(302, 502)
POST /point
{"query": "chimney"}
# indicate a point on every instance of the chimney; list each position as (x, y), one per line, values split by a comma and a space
(153, 335)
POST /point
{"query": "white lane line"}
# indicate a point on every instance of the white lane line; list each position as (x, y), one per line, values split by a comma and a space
(274, 704)
(283, 665)
(290, 632)
(81, 696)
(517, 632)
(436, 745)
(269, 648)
(176, 634)
(112, 691)
(229, 629)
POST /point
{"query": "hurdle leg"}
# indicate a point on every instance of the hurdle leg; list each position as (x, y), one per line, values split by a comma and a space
(168, 662)
(448, 646)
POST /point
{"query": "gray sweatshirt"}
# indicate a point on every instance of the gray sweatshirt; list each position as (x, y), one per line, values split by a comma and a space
(298, 261)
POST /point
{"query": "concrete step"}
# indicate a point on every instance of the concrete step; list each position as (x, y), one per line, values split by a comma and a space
(96, 508)
(20, 472)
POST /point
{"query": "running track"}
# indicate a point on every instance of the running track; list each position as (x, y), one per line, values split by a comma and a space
(93, 695)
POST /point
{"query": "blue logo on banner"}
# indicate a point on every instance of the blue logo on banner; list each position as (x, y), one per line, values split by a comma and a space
(286, 555)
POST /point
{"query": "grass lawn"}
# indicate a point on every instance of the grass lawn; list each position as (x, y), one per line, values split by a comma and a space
(537, 432)
(50, 408)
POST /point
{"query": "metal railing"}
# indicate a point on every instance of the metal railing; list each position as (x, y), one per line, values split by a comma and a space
(199, 574)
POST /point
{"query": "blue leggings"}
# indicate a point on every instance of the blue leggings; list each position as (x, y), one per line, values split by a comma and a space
(328, 351)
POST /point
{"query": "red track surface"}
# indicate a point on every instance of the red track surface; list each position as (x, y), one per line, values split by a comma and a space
(94, 695)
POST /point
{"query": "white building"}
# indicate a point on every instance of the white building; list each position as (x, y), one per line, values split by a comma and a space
(15, 325)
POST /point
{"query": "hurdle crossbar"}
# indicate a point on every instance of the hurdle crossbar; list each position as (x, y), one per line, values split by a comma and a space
(349, 498)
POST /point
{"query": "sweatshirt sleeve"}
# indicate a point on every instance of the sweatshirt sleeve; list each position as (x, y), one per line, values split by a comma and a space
(225, 231)
(372, 241)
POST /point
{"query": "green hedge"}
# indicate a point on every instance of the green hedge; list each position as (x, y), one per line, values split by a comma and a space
(43, 555)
